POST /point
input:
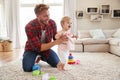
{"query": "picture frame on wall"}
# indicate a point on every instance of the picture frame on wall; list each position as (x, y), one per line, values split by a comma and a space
(116, 13)
(97, 17)
(92, 10)
(79, 14)
(105, 9)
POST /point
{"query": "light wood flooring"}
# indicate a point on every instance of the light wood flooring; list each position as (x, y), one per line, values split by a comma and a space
(6, 57)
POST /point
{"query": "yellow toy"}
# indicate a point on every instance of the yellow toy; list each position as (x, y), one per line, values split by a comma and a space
(70, 59)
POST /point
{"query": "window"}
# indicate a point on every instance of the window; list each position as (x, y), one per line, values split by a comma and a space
(2, 25)
(27, 13)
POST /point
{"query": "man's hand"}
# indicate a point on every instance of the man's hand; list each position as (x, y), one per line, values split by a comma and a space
(62, 39)
(47, 46)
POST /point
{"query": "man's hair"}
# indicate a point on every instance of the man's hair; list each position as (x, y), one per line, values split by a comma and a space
(64, 19)
(40, 7)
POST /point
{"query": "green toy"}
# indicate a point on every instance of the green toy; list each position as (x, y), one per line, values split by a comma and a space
(37, 73)
(52, 78)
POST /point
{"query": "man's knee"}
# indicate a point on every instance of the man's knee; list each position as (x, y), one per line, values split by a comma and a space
(26, 68)
(28, 61)
(54, 65)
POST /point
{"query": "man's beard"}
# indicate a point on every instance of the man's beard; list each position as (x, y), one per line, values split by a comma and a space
(44, 22)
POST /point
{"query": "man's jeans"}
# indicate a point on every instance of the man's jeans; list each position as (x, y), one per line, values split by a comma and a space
(29, 58)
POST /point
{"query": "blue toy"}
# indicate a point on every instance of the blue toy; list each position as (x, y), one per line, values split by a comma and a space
(36, 67)
(36, 70)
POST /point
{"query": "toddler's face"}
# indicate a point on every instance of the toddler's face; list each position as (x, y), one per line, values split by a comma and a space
(67, 25)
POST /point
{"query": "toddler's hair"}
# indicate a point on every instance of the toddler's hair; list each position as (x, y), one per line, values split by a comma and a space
(65, 19)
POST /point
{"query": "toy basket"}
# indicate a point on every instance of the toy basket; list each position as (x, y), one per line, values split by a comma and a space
(6, 46)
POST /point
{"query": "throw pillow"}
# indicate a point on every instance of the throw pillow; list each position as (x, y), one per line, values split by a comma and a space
(116, 34)
(97, 34)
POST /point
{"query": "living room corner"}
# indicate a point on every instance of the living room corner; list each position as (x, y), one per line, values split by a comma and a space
(97, 47)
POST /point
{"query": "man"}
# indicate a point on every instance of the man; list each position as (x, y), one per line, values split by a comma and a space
(40, 33)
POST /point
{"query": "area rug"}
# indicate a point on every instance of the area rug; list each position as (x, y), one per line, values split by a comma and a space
(93, 66)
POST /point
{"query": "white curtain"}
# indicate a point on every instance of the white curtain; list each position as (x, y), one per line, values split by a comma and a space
(70, 10)
(2, 27)
(12, 8)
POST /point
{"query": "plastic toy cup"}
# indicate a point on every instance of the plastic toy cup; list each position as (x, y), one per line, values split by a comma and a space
(36, 73)
(52, 78)
(36, 67)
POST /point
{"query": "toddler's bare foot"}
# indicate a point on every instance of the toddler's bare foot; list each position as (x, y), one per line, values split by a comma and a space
(63, 67)
(59, 66)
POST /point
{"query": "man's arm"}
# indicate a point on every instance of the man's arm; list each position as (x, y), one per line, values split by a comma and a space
(47, 46)
(57, 36)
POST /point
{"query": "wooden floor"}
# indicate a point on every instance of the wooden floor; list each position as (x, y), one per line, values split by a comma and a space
(6, 57)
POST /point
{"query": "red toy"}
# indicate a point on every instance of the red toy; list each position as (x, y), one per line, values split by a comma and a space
(70, 59)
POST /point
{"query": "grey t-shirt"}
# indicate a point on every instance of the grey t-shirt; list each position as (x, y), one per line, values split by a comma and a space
(43, 37)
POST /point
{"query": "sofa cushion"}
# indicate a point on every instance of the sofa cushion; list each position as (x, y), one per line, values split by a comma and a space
(84, 34)
(114, 41)
(109, 33)
(95, 41)
(78, 41)
(116, 34)
(97, 34)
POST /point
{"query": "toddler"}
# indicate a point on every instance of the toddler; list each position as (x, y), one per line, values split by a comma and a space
(64, 48)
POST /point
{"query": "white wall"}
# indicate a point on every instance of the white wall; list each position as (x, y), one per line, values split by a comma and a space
(106, 23)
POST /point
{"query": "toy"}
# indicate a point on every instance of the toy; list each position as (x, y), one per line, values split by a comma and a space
(77, 62)
(52, 78)
(36, 70)
(70, 59)
(36, 67)
(47, 77)
(36, 73)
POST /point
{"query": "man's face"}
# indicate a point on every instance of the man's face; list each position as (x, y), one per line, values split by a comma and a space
(43, 17)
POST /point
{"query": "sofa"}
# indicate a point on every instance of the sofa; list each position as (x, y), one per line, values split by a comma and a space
(93, 41)
(115, 46)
